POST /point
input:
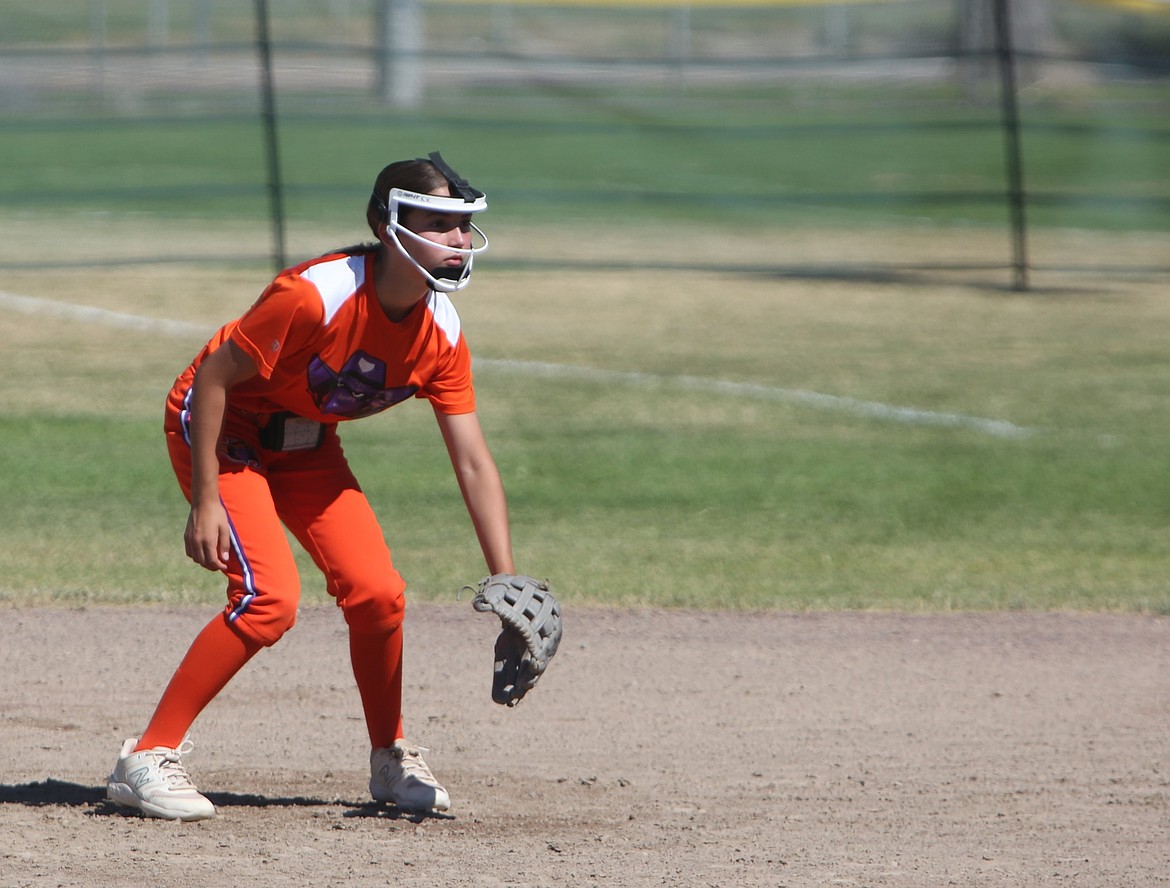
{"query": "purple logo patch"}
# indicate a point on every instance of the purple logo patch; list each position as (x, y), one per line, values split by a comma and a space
(357, 390)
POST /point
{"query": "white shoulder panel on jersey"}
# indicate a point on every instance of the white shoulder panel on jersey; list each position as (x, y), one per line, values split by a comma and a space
(336, 281)
(443, 311)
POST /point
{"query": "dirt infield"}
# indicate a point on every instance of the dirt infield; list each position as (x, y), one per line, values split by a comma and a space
(662, 748)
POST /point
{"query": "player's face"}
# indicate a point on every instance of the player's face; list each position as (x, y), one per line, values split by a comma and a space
(441, 232)
(435, 234)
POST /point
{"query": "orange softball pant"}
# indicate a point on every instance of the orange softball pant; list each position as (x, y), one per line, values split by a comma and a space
(315, 495)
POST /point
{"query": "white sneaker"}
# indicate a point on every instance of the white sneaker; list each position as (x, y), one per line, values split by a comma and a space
(155, 782)
(398, 774)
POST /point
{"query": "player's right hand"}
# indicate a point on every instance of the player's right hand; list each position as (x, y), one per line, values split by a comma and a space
(208, 536)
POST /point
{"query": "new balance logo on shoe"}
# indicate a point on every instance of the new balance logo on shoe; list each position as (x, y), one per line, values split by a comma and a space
(399, 775)
(155, 782)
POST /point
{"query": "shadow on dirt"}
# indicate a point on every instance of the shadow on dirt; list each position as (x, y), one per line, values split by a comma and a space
(383, 811)
(52, 792)
(75, 795)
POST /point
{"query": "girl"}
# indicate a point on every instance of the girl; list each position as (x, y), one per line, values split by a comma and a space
(251, 427)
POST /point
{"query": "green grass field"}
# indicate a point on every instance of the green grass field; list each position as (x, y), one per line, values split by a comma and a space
(732, 162)
(726, 439)
(633, 478)
(810, 137)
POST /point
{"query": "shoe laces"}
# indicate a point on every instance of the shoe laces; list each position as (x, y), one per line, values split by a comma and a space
(170, 766)
(412, 762)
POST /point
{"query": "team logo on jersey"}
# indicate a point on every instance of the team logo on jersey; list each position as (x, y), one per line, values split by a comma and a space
(357, 390)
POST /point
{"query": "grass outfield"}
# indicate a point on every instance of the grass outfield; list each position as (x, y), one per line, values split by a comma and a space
(947, 166)
(634, 477)
(720, 156)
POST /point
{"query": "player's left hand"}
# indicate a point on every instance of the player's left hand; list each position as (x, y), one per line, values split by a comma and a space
(531, 619)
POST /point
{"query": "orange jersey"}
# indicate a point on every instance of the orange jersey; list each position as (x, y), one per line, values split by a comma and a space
(325, 349)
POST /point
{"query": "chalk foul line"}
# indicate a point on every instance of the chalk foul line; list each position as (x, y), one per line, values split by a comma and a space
(872, 409)
(87, 313)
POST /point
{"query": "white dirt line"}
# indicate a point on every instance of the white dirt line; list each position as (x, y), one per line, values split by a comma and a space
(873, 409)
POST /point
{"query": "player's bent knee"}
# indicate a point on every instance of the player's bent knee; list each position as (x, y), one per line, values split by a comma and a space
(263, 625)
(375, 608)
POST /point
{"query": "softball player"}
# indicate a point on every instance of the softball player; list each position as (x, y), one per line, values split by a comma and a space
(251, 428)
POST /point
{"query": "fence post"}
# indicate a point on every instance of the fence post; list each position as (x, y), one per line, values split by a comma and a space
(400, 42)
(271, 144)
(99, 44)
(1011, 127)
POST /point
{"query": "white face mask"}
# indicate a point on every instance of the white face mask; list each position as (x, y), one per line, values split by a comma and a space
(459, 278)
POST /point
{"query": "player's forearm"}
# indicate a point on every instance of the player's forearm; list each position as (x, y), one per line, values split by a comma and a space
(483, 491)
(207, 412)
(224, 368)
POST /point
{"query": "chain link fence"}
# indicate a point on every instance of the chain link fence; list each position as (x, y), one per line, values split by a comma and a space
(867, 138)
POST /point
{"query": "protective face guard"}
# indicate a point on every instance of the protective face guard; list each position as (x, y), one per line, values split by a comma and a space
(465, 200)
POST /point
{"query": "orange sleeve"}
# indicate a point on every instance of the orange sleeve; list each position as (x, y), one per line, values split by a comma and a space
(281, 322)
(451, 390)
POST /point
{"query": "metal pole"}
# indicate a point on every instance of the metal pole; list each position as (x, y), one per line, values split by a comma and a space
(400, 44)
(1011, 127)
(271, 144)
(99, 44)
